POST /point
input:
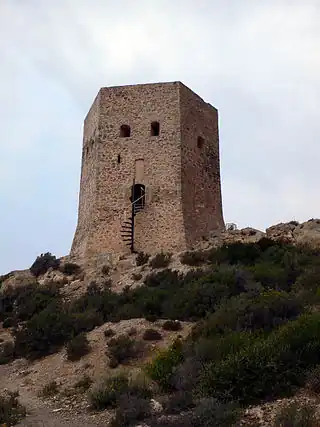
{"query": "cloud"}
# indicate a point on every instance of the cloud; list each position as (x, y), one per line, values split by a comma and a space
(257, 62)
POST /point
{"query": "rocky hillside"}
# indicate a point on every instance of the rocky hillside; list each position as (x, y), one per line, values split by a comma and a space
(226, 334)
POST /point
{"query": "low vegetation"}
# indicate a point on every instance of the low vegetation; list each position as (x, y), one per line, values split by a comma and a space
(11, 411)
(152, 335)
(70, 268)
(123, 348)
(78, 347)
(50, 389)
(256, 333)
(142, 258)
(297, 414)
(160, 260)
(43, 263)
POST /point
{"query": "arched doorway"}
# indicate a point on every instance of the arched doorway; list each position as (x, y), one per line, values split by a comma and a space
(138, 196)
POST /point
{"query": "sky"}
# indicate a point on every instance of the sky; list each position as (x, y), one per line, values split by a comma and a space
(257, 61)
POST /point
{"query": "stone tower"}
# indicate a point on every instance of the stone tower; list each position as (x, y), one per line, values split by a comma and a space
(150, 176)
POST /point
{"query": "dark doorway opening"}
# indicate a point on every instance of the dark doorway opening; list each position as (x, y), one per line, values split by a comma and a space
(138, 196)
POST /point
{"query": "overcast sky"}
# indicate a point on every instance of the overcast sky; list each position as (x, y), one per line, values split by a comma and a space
(257, 61)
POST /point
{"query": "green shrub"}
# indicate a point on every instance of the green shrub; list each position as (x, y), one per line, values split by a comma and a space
(70, 268)
(83, 384)
(78, 347)
(172, 325)
(49, 390)
(194, 258)
(297, 415)
(32, 299)
(161, 369)
(44, 333)
(7, 352)
(9, 322)
(212, 413)
(107, 393)
(236, 253)
(151, 318)
(178, 402)
(131, 409)
(86, 321)
(142, 258)
(160, 260)
(23, 302)
(313, 380)
(246, 313)
(270, 367)
(11, 411)
(43, 263)
(122, 348)
(152, 335)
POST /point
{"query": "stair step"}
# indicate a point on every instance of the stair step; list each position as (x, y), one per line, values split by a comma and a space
(127, 222)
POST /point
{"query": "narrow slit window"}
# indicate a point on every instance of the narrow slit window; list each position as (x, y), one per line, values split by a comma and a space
(125, 131)
(155, 128)
(119, 159)
(200, 142)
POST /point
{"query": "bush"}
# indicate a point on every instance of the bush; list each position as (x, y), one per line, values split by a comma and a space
(212, 413)
(109, 332)
(194, 258)
(313, 380)
(272, 366)
(142, 258)
(172, 325)
(11, 411)
(49, 390)
(246, 313)
(178, 402)
(9, 322)
(136, 276)
(70, 268)
(152, 335)
(151, 318)
(78, 347)
(236, 253)
(44, 333)
(7, 352)
(43, 263)
(297, 415)
(161, 369)
(23, 302)
(161, 260)
(122, 348)
(107, 393)
(83, 384)
(131, 409)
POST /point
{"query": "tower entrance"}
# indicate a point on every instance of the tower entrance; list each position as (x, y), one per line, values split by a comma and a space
(138, 197)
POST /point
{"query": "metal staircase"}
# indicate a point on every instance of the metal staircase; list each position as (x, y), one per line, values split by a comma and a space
(127, 227)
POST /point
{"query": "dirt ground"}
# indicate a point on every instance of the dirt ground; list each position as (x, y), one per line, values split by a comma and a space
(72, 409)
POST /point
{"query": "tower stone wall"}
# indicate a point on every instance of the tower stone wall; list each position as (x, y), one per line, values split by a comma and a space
(179, 168)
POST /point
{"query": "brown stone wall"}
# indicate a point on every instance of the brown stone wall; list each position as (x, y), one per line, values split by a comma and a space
(88, 180)
(201, 189)
(183, 200)
(160, 225)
